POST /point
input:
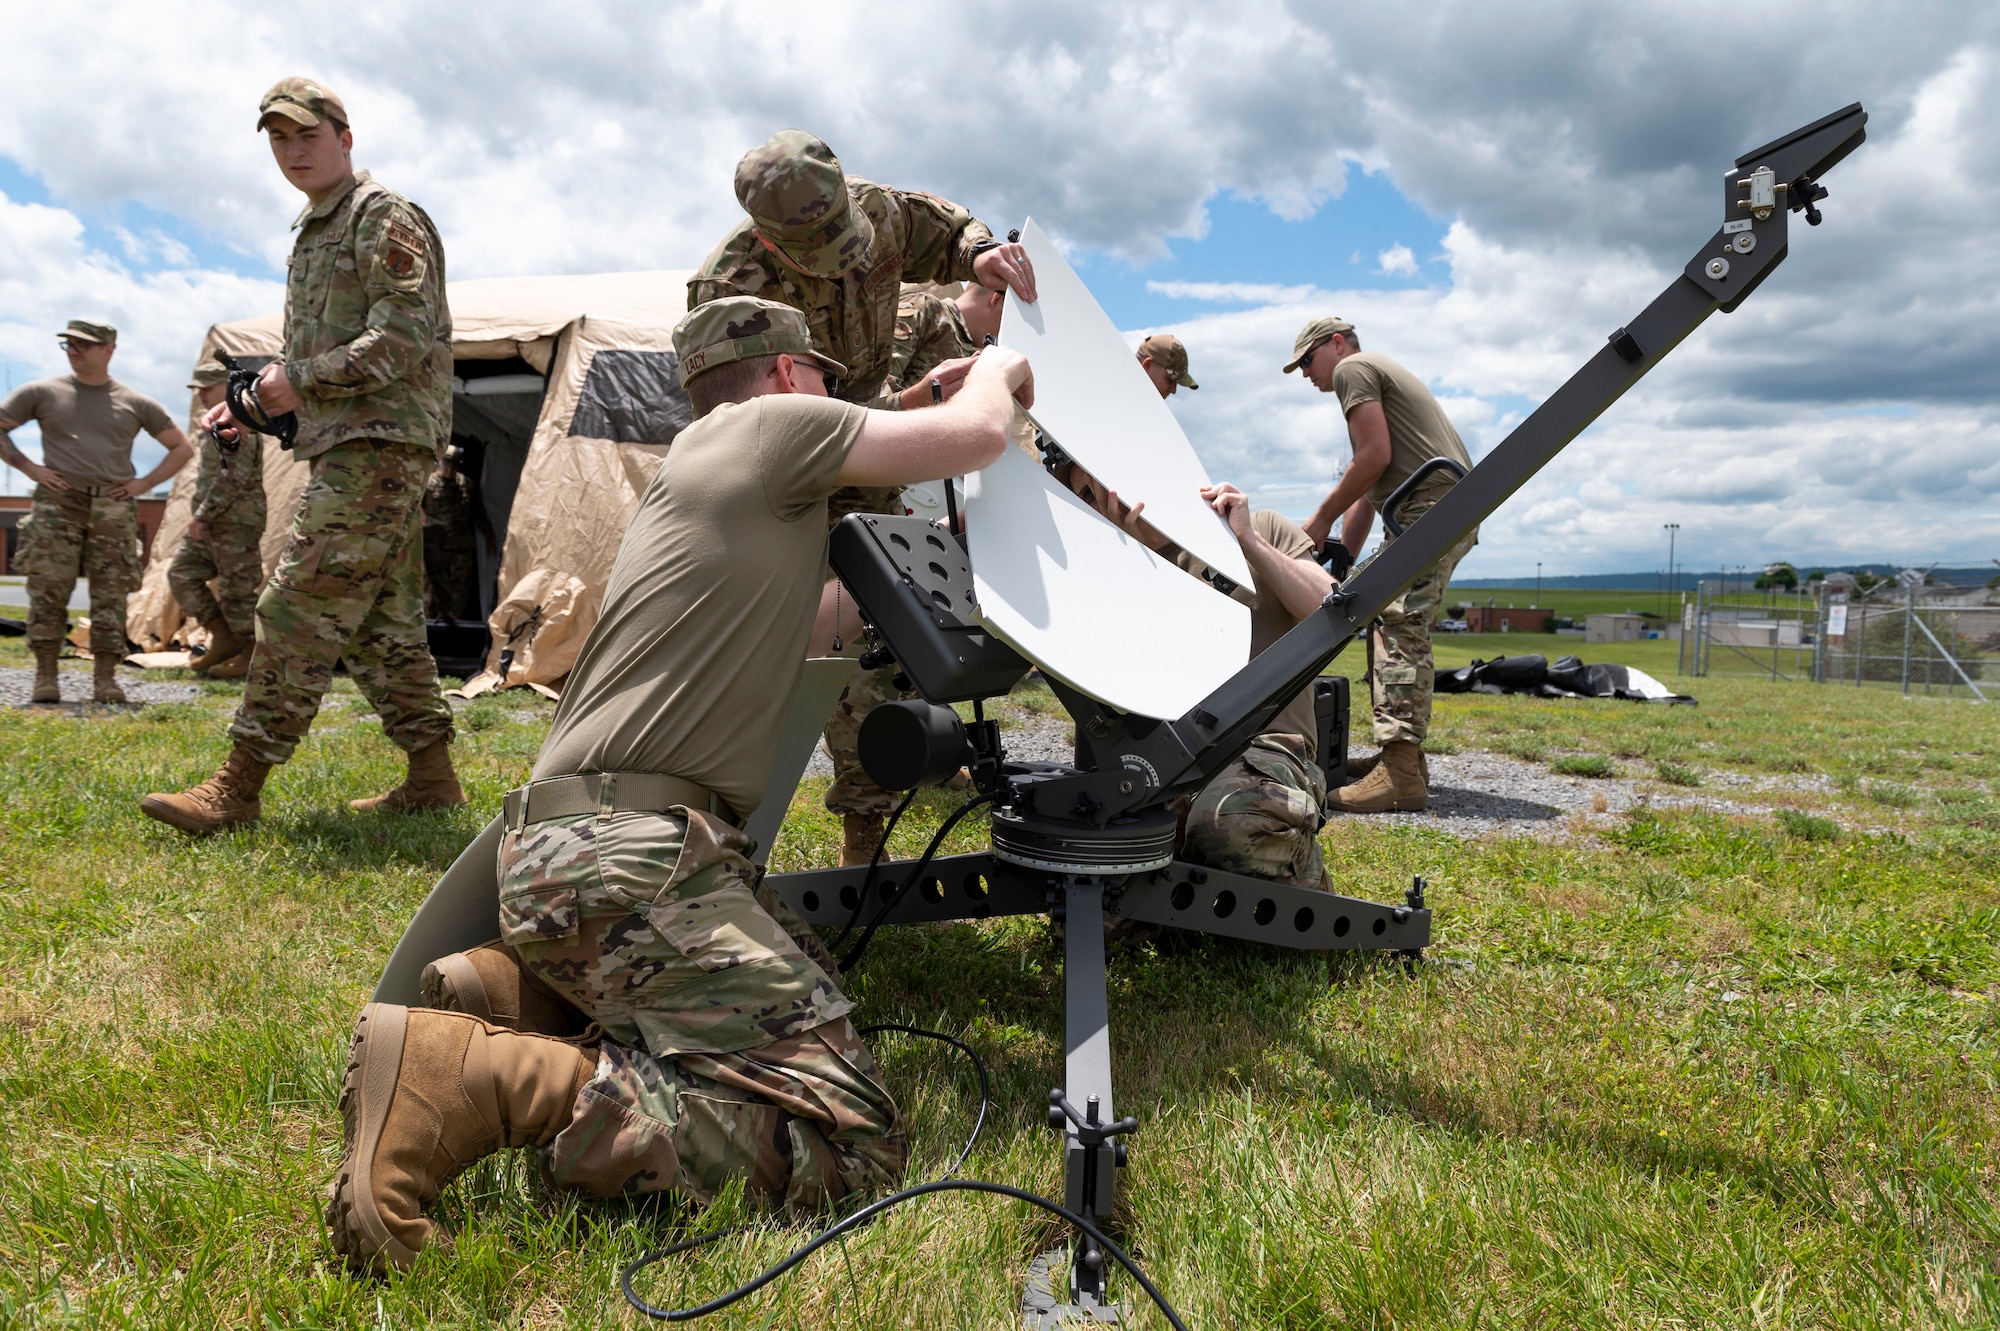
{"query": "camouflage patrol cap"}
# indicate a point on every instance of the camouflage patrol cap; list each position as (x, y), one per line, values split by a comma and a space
(83, 330)
(1164, 349)
(303, 101)
(793, 188)
(739, 327)
(1314, 333)
(208, 373)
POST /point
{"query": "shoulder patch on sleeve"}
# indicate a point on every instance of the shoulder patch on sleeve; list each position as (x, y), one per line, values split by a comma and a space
(411, 238)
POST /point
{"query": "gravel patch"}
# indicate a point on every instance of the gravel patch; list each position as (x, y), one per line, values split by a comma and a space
(17, 685)
(1479, 794)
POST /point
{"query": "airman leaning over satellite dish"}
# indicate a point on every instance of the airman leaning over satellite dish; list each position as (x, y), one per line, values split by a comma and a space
(1260, 815)
(838, 248)
(625, 883)
(1395, 426)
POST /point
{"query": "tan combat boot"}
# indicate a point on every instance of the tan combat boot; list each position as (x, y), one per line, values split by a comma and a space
(236, 667)
(1360, 767)
(46, 687)
(426, 1094)
(490, 983)
(860, 835)
(104, 680)
(1395, 785)
(222, 646)
(431, 784)
(224, 800)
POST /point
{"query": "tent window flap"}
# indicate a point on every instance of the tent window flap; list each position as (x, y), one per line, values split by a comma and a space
(632, 397)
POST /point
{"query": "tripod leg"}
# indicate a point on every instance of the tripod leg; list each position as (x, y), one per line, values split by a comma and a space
(1089, 1172)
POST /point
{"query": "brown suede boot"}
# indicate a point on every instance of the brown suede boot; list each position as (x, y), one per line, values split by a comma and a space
(224, 800)
(1396, 785)
(104, 680)
(222, 646)
(427, 1093)
(236, 667)
(490, 983)
(1360, 767)
(46, 687)
(860, 834)
(431, 784)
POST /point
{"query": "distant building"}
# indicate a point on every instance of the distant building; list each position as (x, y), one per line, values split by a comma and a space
(1508, 619)
(1615, 628)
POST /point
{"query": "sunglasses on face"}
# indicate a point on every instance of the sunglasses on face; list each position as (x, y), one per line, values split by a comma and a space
(832, 382)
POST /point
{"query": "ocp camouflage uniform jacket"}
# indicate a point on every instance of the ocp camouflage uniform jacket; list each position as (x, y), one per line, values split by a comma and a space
(230, 490)
(929, 332)
(918, 238)
(367, 331)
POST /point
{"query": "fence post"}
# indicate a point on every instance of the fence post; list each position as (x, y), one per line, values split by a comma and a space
(1909, 624)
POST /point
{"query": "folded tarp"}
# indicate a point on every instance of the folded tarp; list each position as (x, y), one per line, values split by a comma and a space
(1567, 678)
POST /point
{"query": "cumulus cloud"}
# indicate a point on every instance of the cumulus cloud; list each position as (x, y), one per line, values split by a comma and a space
(1576, 150)
(1396, 261)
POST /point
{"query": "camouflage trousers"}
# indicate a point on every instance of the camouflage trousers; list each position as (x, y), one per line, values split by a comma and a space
(1402, 674)
(229, 555)
(728, 1052)
(1261, 815)
(852, 791)
(71, 533)
(350, 586)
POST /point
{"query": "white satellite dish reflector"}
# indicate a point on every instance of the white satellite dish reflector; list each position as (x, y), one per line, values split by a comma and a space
(1092, 397)
(1089, 604)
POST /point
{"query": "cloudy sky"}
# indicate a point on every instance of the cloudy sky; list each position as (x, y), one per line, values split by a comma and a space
(1485, 191)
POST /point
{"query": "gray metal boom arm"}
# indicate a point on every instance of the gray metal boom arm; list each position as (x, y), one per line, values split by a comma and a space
(1758, 195)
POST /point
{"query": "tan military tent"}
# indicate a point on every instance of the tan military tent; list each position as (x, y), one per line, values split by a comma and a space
(567, 390)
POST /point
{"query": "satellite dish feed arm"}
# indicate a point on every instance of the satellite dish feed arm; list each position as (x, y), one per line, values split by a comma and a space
(1758, 196)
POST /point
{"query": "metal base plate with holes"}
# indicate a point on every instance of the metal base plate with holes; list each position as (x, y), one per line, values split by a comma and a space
(914, 584)
(980, 886)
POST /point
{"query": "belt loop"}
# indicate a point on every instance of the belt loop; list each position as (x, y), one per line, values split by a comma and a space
(607, 795)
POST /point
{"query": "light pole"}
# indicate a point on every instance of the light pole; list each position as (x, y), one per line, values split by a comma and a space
(1673, 530)
(1538, 585)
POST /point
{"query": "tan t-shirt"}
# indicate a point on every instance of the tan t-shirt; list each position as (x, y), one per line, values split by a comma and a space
(702, 642)
(1418, 427)
(1270, 621)
(87, 429)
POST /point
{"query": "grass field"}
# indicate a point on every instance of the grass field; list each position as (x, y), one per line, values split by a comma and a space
(1697, 1070)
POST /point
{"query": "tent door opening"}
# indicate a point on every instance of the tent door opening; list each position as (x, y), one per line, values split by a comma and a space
(495, 404)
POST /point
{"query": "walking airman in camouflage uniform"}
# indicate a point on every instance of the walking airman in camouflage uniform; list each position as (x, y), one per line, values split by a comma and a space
(367, 367)
(838, 248)
(224, 542)
(85, 514)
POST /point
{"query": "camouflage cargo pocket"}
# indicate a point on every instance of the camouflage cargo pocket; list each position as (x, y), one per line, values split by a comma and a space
(689, 881)
(541, 869)
(721, 1135)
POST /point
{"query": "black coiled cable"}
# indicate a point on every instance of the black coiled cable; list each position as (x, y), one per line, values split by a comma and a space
(241, 394)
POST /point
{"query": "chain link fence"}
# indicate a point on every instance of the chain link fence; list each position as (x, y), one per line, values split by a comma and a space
(1901, 635)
